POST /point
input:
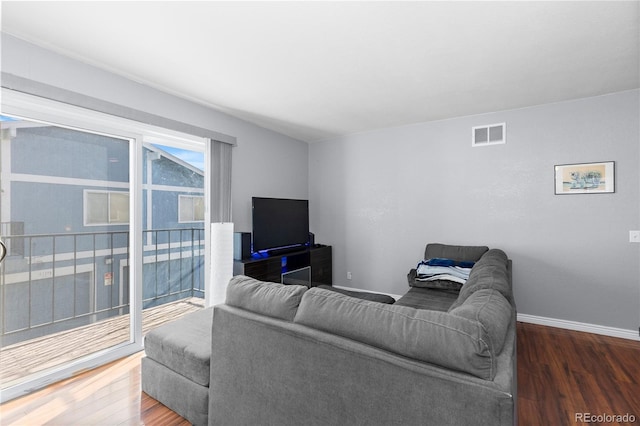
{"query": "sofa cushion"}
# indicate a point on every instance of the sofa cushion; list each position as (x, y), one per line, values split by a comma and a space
(490, 272)
(428, 298)
(452, 341)
(183, 345)
(270, 299)
(374, 297)
(492, 311)
(459, 253)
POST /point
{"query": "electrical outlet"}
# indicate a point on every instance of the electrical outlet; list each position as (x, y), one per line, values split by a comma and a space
(634, 236)
(349, 276)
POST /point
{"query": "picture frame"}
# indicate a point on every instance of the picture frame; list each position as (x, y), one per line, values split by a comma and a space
(585, 178)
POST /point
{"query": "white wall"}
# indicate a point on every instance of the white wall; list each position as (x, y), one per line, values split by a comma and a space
(379, 197)
(265, 163)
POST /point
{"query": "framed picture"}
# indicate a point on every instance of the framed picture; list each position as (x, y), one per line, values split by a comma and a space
(585, 178)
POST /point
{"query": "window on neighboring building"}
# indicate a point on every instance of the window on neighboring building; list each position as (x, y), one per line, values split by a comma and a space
(191, 208)
(106, 208)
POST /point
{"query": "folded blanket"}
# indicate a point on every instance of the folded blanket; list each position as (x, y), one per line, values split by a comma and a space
(443, 269)
(456, 271)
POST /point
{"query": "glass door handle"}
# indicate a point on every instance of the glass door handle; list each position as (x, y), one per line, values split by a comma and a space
(3, 251)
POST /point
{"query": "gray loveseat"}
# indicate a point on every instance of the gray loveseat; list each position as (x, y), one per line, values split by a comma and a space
(288, 355)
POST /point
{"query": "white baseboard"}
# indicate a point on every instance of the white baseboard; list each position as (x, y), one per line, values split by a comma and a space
(581, 326)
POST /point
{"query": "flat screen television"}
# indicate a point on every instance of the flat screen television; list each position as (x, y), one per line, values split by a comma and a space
(279, 223)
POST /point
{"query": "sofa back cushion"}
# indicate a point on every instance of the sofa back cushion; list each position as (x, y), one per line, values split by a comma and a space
(491, 310)
(460, 342)
(270, 299)
(459, 253)
(490, 272)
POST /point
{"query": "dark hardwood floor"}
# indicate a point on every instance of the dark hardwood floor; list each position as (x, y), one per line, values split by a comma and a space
(569, 377)
(564, 378)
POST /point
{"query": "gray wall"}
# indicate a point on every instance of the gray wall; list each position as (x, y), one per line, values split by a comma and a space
(265, 163)
(379, 197)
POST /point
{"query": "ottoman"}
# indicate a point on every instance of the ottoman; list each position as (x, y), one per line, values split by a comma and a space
(175, 370)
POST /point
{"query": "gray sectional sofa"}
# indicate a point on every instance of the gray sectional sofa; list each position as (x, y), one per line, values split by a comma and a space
(288, 355)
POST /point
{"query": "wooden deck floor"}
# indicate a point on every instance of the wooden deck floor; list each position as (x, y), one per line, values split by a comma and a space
(32, 356)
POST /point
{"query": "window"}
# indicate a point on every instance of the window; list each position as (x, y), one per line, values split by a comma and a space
(106, 208)
(191, 208)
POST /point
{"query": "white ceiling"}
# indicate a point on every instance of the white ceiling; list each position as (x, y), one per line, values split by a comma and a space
(315, 70)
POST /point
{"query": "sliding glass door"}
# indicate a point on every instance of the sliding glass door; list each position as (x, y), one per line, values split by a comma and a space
(66, 221)
(103, 219)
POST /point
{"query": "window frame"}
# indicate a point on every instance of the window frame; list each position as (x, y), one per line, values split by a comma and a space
(85, 204)
(192, 198)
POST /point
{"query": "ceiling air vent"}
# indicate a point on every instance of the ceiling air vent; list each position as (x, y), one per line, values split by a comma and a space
(492, 134)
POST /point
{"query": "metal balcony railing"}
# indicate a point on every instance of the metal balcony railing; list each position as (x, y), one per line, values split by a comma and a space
(176, 257)
(61, 281)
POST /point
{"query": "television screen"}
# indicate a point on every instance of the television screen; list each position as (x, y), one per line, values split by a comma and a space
(279, 223)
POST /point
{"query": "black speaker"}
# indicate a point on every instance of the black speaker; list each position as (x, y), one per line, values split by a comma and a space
(312, 239)
(241, 245)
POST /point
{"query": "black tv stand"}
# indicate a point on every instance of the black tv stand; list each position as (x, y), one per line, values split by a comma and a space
(296, 264)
